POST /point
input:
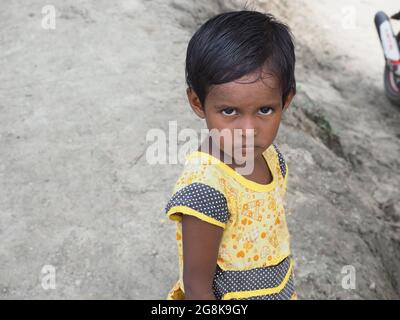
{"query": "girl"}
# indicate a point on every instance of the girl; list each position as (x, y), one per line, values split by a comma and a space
(231, 232)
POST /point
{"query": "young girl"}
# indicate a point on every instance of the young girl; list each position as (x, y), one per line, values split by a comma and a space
(231, 232)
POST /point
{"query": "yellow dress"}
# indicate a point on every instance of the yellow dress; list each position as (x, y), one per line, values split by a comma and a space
(254, 258)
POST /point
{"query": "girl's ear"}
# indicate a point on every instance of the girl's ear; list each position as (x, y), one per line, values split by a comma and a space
(195, 103)
(289, 100)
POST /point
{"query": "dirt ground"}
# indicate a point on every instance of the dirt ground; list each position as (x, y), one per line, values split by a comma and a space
(77, 101)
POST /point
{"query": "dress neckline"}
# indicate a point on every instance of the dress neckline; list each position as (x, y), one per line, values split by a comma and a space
(238, 177)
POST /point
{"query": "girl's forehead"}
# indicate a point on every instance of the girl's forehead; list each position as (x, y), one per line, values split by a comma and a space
(247, 90)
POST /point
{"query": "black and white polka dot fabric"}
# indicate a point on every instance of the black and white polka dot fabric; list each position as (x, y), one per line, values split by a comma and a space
(253, 279)
(281, 161)
(203, 199)
(285, 294)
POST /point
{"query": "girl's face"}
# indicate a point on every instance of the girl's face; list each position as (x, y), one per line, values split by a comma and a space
(246, 103)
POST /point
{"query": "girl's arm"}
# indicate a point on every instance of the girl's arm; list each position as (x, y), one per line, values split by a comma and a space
(200, 242)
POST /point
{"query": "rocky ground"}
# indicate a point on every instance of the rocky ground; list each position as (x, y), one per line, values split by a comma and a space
(77, 193)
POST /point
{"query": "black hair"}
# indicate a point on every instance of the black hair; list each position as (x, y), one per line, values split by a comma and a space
(233, 44)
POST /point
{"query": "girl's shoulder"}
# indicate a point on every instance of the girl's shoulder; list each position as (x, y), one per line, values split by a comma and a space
(281, 162)
(202, 169)
(280, 166)
(198, 192)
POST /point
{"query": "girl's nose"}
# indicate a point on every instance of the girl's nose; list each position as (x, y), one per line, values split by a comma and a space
(248, 126)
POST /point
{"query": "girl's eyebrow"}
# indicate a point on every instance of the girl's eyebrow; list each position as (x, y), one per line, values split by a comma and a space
(222, 106)
(271, 104)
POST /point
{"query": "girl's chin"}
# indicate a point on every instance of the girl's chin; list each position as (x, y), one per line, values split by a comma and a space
(242, 153)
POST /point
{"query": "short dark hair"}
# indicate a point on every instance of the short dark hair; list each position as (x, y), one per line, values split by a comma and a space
(233, 44)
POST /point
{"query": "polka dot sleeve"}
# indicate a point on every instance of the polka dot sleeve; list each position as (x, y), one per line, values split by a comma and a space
(282, 162)
(199, 200)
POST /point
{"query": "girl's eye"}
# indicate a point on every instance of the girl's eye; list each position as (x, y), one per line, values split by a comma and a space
(229, 112)
(266, 110)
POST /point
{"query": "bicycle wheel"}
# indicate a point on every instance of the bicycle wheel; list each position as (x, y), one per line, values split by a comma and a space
(392, 86)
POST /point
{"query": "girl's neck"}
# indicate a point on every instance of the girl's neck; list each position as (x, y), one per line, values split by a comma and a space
(208, 146)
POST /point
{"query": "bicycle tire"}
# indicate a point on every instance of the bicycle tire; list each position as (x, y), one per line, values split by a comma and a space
(392, 87)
